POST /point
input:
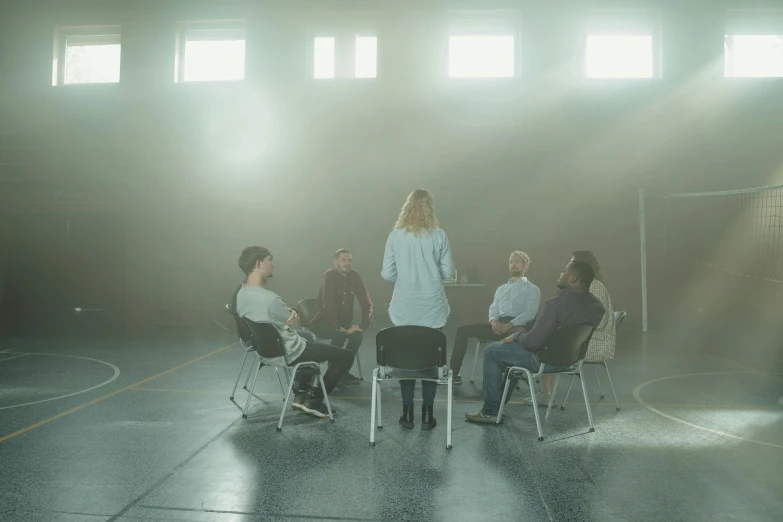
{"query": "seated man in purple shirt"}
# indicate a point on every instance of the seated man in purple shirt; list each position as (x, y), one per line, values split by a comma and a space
(573, 305)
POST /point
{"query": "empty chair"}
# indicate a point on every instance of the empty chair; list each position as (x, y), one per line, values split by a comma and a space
(269, 346)
(565, 349)
(246, 342)
(619, 317)
(405, 353)
(306, 310)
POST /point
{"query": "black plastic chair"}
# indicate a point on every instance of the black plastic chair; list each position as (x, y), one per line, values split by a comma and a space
(269, 346)
(619, 317)
(247, 344)
(409, 352)
(564, 348)
(306, 310)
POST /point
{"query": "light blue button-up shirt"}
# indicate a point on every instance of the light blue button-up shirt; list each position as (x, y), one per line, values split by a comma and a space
(417, 265)
(519, 300)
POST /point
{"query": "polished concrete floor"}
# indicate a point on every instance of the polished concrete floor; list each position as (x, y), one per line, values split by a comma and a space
(95, 429)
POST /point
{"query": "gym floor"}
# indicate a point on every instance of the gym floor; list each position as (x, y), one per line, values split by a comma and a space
(100, 428)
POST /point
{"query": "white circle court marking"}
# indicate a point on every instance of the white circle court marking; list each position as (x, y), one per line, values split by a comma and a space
(104, 383)
(637, 396)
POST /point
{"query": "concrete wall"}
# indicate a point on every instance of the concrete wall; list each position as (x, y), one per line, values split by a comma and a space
(546, 162)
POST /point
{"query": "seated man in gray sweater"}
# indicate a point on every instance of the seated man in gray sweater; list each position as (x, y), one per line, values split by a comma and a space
(258, 304)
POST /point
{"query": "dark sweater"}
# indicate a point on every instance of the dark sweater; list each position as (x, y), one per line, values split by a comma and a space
(335, 300)
(568, 308)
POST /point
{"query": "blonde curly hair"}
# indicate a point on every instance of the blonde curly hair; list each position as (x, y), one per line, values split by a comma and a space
(418, 213)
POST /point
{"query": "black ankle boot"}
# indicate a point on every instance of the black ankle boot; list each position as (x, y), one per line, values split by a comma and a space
(427, 420)
(406, 420)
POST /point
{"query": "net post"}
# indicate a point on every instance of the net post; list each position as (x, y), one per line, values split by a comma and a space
(643, 245)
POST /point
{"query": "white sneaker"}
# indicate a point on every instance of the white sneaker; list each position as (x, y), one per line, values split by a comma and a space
(542, 398)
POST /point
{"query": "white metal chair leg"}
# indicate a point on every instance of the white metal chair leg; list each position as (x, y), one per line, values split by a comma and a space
(250, 391)
(570, 383)
(587, 400)
(535, 406)
(597, 380)
(282, 388)
(255, 359)
(359, 366)
(503, 401)
(611, 385)
(379, 417)
(326, 395)
(552, 396)
(240, 374)
(285, 403)
(448, 410)
(373, 405)
(475, 362)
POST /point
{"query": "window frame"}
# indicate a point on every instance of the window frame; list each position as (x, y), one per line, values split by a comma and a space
(111, 34)
(486, 23)
(345, 32)
(729, 62)
(642, 22)
(749, 22)
(231, 28)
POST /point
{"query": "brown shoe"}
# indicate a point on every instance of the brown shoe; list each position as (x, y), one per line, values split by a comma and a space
(299, 399)
(480, 418)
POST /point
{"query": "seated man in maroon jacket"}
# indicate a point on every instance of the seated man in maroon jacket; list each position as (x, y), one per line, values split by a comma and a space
(334, 312)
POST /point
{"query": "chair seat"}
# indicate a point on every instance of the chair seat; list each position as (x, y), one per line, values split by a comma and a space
(519, 374)
(598, 360)
(427, 374)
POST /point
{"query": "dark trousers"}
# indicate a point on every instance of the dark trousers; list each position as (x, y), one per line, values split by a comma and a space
(338, 338)
(339, 359)
(469, 331)
(428, 389)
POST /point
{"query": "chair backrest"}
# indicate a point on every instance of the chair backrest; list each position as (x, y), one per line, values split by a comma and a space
(619, 317)
(266, 339)
(242, 330)
(307, 309)
(567, 346)
(411, 347)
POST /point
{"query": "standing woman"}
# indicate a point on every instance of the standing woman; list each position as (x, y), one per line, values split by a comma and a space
(417, 260)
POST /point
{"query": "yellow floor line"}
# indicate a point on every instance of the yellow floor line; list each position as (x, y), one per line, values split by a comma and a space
(112, 394)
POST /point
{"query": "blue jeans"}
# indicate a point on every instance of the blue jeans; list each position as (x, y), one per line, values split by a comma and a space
(495, 356)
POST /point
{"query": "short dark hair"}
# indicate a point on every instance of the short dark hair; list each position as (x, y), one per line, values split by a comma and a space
(588, 257)
(341, 251)
(250, 256)
(584, 271)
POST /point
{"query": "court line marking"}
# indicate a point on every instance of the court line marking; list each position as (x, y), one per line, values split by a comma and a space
(637, 396)
(257, 513)
(101, 385)
(474, 401)
(14, 357)
(112, 394)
